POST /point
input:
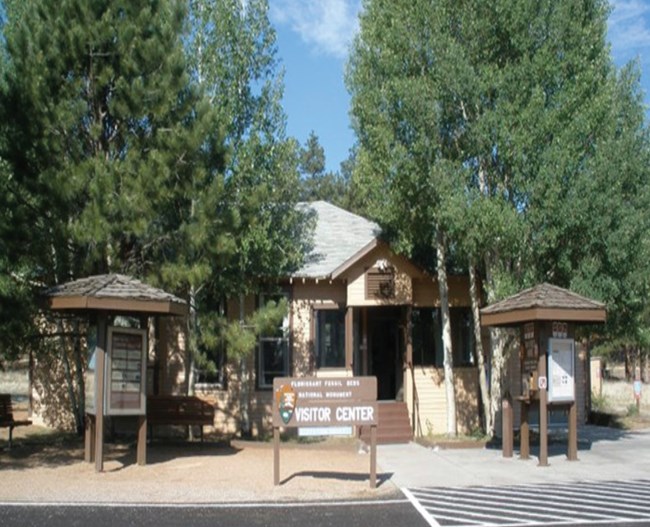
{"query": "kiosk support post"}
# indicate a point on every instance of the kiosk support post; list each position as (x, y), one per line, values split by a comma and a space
(572, 448)
(142, 440)
(506, 425)
(543, 412)
(543, 429)
(89, 439)
(101, 391)
(524, 433)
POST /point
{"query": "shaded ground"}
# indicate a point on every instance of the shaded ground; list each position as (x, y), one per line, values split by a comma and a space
(49, 467)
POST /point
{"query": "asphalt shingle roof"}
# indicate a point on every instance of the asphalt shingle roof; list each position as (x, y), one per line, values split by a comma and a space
(113, 292)
(543, 296)
(337, 237)
(112, 286)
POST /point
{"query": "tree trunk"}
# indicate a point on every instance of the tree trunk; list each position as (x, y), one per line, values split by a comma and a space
(448, 362)
(480, 357)
(244, 391)
(79, 370)
(191, 366)
(628, 364)
(191, 330)
(68, 378)
(498, 341)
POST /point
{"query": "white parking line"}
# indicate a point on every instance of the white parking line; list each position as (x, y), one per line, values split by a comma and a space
(418, 507)
(601, 502)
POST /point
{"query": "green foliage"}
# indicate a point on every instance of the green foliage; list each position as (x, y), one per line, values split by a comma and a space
(312, 157)
(316, 183)
(506, 125)
(145, 138)
(258, 231)
(599, 403)
(240, 338)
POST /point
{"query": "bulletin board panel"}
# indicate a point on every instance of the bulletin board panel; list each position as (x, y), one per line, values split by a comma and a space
(561, 370)
(126, 371)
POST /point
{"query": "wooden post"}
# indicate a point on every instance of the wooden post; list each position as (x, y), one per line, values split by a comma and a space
(543, 429)
(543, 407)
(524, 432)
(89, 439)
(572, 447)
(276, 455)
(364, 341)
(100, 365)
(373, 456)
(506, 426)
(142, 440)
(349, 338)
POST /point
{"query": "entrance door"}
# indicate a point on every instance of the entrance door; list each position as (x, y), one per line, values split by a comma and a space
(384, 355)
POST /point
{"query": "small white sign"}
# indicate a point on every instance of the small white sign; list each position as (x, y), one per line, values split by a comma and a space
(541, 383)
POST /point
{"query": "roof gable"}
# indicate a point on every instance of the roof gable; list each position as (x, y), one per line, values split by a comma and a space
(338, 236)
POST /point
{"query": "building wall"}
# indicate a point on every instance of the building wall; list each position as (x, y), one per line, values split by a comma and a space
(305, 296)
(427, 401)
(427, 294)
(356, 278)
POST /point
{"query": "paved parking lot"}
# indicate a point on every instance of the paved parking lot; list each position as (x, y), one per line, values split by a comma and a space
(605, 502)
(605, 454)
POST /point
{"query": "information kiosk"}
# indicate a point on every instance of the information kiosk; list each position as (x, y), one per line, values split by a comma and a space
(546, 316)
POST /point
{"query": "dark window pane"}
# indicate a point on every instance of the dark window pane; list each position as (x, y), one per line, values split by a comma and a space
(427, 337)
(273, 360)
(330, 338)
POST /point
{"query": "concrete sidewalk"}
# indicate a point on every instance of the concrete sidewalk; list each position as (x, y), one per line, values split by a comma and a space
(603, 454)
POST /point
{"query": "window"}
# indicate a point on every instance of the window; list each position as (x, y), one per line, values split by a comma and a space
(462, 336)
(212, 368)
(427, 336)
(330, 338)
(273, 350)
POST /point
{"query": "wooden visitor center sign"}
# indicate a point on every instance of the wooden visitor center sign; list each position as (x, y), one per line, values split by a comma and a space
(316, 401)
(322, 402)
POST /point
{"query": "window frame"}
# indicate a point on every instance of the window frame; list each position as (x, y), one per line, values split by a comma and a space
(316, 310)
(283, 340)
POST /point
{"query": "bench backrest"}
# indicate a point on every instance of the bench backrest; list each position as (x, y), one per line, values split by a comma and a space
(170, 407)
(6, 411)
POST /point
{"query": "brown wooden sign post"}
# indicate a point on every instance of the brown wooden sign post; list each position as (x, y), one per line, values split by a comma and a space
(325, 402)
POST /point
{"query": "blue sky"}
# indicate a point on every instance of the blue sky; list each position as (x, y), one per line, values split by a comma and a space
(313, 39)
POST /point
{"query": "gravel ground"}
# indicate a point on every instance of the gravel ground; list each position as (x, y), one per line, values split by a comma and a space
(189, 473)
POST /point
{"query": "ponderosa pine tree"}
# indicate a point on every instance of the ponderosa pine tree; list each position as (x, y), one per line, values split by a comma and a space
(100, 128)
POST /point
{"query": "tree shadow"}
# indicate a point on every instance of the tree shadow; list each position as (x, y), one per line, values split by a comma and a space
(39, 450)
(345, 476)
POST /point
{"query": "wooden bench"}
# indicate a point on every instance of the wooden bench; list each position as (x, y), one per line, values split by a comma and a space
(178, 410)
(7, 416)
